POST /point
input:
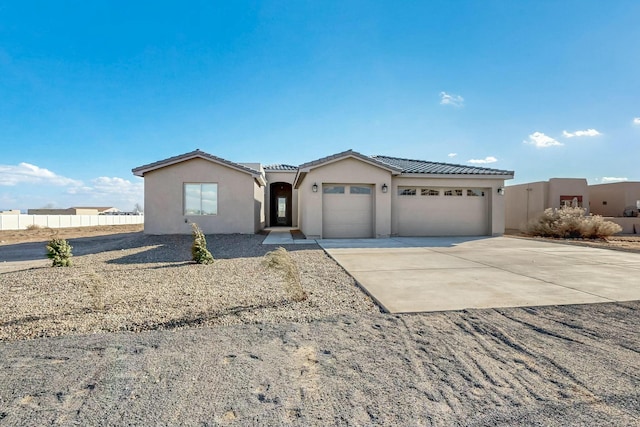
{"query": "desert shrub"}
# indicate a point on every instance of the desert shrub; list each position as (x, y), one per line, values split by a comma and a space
(59, 252)
(199, 252)
(280, 259)
(34, 227)
(571, 222)
(96, 288)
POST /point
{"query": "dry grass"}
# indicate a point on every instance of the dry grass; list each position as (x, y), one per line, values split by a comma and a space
(570, 222)
(44, 234)
(280, 259)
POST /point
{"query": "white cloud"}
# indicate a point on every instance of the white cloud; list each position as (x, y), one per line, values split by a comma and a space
(607, 179)
(106, 186)
(452, 154)
(636, 121)
(451, 99)
(26, 173)
(488, 159)
(541, 140)
(588, 132)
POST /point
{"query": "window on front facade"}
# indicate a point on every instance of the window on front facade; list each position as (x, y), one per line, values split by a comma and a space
(429, 192)
(333, 189)
(406, 191)
(201, 199)
(355, 189)
(571, 201)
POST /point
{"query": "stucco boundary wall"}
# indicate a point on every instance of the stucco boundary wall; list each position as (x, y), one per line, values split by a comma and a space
(630, 225)
(21, 222)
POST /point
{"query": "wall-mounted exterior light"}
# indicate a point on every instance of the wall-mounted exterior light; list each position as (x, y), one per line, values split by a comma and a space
(314, 187)
(385, 188)
(501, 191)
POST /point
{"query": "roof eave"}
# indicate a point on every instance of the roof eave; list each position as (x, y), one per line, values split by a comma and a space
(140, 171)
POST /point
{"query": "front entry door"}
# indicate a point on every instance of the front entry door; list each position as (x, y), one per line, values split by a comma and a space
(280, 202)
(282, 211)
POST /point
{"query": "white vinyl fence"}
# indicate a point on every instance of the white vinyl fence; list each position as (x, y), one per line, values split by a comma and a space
(21, 222)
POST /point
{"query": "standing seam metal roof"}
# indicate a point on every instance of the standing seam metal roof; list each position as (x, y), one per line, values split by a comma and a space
(424, 167)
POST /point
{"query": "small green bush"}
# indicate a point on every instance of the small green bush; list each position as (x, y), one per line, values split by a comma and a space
(199, 252)
(59, 252)
(570, 222)
(280, 259)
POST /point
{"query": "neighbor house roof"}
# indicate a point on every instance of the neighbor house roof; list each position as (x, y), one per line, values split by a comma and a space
(281, 168)
(141, 170)
(304, 168)
(98, 208)
(409, 166)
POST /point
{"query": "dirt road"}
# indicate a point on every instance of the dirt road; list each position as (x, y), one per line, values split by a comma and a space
(552, 366)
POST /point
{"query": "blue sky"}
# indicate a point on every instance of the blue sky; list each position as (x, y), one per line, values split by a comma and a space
(90, 90)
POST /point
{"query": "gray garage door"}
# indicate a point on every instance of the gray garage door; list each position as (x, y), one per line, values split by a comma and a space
(347, 211)
(442, 211)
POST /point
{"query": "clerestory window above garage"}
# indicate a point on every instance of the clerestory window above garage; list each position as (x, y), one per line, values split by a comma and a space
(357, 189)
(403, 191)
(333, 189)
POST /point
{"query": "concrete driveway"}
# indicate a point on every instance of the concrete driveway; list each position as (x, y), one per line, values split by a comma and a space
(408, 275)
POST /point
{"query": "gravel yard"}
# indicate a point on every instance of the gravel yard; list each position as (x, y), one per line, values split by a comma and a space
(139, 282)
(135, 334)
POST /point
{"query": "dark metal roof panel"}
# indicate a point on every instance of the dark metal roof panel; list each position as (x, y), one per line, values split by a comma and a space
(351, 153)
(188, 156)
(281, 167)
(425, 167)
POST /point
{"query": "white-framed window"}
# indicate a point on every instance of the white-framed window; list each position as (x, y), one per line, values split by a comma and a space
(200, 198)
(358, 189)
(429, 192)
(333, 189)
(406, 191)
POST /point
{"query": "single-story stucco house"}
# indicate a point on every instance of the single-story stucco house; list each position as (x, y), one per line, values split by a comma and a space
(345, 195)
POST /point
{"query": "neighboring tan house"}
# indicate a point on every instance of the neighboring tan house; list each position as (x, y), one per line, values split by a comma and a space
(617, 199)
(524, 202)
(76, 210)
(346, 195)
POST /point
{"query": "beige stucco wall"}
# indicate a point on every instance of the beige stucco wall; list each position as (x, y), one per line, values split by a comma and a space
(567, 187)
(496, 213)
(287, 177)
(238, 199)
(345, 171)
(618, 196)
(630, 225)
(524, 202)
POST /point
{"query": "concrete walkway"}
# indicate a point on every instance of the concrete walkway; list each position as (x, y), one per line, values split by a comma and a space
(282, 236)
(433, 274)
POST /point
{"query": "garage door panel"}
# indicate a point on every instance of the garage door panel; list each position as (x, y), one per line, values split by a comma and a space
(442, 215)
(347, 215)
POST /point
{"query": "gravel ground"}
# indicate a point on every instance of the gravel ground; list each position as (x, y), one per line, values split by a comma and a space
(134, 282)
(228, 347)
(546, 366)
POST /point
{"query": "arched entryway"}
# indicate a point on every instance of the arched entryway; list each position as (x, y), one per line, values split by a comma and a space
(280, 212)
